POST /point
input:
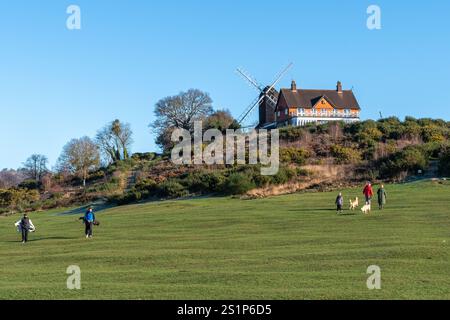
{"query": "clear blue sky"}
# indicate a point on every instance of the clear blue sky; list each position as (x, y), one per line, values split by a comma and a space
(57, 84)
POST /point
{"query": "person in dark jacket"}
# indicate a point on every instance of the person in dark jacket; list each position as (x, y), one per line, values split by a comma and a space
(381, 197)
(25, 225)
(88, 219)
(339, 203)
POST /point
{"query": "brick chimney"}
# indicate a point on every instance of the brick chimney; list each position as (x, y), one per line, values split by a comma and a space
(339, 87)
(293, 85)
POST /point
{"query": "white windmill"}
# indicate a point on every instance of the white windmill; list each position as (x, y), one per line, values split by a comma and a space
(267, 94)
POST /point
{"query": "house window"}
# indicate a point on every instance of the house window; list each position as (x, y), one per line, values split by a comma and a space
(286, 111)
(314, 110)
(278, 113)
(301, 110)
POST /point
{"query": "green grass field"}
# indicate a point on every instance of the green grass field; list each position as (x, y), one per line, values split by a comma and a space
(286, 247)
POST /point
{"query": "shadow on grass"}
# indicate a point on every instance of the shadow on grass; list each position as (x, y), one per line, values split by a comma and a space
(329, 210)
(313, 210)
(40, 239)
(81, 210)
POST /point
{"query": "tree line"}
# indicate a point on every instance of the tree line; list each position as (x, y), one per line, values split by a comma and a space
(78, 157)
(113, 142)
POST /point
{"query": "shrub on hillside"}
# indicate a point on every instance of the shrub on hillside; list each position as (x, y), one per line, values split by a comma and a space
(171, 189)
(148, 156)
(433, 133)
(434, 149)
(411, 129)
(18, 199)
(294, 155)
(345, 155)
(367, 135)
(203, 182)
(391, 128)
(253, 172)
(238, 183)
(121, 166)
(57, 195)
(367, 132)
(284, 175)
(291, 133)
(97, 175)
(107, 188)
(409, 160)
(300, 172)
(30, 184)
(262, 181)
(413, 158)
(146, 185)
(252, 178)
(129, 197)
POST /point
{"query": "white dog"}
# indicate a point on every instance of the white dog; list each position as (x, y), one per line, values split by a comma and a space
(366, 208)
(354, 204)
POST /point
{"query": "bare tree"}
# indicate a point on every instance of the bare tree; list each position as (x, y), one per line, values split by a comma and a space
(79, 156)
(11, 178)
(181, 111)
(115, 140)
(36, 166)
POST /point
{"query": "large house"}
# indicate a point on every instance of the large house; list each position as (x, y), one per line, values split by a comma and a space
(298, 107)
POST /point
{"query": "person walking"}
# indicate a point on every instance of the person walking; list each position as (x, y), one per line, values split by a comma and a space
(89, 218)
(368, 193)
(24, 226)
(339, 203)
(381, 197)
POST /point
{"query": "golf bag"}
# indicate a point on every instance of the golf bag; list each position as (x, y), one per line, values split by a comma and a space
(18, 225)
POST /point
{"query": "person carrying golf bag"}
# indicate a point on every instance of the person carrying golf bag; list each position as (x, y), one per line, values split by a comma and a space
(24, 226)
(89, 219)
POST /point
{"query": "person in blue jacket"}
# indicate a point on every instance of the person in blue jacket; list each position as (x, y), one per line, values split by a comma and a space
(89, 218)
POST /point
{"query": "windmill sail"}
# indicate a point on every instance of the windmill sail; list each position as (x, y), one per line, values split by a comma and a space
(268, 94)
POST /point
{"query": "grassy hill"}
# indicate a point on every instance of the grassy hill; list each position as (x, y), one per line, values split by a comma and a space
(323, 157)
(286, 247)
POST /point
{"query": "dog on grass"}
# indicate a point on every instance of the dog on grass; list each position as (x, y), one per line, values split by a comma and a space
(366, 208)
(354, 204)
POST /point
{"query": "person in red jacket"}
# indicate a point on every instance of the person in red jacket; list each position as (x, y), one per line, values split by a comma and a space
(368, 192)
